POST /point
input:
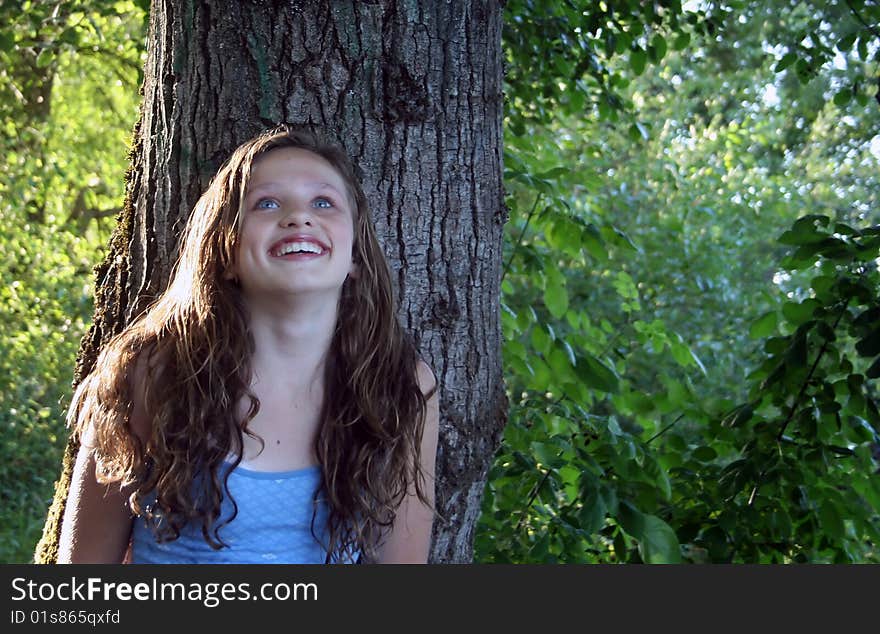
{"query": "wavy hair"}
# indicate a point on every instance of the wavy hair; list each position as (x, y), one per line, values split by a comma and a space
(188, 359)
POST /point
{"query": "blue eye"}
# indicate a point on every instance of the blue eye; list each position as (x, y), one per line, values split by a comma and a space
(267, 203)
(322, 203)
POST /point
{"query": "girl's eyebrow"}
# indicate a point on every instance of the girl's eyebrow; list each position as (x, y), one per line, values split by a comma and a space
(329, 186)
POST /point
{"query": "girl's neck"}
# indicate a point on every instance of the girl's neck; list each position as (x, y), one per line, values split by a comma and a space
(291, 340)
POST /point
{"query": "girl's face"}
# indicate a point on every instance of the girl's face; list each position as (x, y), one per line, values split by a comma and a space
(297, 229)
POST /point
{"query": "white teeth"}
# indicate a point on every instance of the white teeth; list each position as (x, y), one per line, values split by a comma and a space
(298, 247)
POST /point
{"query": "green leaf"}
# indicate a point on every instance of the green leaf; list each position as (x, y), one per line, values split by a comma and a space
(592, 515)
(540, 340)
(681, 354)
(830, 519)
(593, 373)
(593, 242)
(609, 497)
(555, 295)
(797, 313)
(543, 377)
(563, 234)
(659, 544)
(681, 41)
(547, 455)
(846, 42)
(867, 317)
(7, 41)
(554, 173)
(804, 70)
(631, 519)
(705, 454)
(869, 489)
(874, 371)
(870, 345)
(593, 511)
(764, 326)
(562, 369)
(796, 355)
(739, 416)
(658, 48)
(618, 238)
(71, 36)
(637, 132)
(822, 284)
(862, 47)
(805, 231)
(657, 475)
(787, 60)
(637, 60)
(624, 39)
(780, 523)
(46, 56)
(843, 97)
(684, 356)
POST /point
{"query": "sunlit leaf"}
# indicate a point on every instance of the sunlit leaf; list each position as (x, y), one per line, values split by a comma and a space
(658, 544)
(764, 326)
(556, 296)
(45, 57)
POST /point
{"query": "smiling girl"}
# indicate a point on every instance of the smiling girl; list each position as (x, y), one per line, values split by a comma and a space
(268, 407)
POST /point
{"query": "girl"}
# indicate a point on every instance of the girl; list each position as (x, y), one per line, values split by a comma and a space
(268, 407)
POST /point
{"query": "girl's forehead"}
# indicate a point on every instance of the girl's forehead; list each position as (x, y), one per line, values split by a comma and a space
(294, 164)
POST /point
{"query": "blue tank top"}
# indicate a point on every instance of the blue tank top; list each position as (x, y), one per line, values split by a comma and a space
(273, 524)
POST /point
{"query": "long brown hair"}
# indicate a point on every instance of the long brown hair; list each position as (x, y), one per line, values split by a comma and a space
(194, 349)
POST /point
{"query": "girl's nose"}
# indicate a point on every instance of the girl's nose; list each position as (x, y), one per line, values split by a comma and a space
(297, 216)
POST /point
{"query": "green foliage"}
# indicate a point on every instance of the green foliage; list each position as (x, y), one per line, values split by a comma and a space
(838, 32)
(68, 101)
(644, 247)
(46, 308)
(804, 474)
(789, 475)
(559, 54)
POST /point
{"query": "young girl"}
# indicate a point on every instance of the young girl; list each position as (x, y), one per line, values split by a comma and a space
(268, 407)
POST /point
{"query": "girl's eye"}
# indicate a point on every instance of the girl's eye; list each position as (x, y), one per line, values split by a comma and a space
(322, 203)
(267, 203)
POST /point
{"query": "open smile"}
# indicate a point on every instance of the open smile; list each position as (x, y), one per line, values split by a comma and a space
(297, 247)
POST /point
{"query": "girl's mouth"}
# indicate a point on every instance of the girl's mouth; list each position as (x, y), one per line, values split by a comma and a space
(296, 247)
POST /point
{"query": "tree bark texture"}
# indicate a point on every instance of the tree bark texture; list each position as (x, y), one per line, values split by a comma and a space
(413, 91)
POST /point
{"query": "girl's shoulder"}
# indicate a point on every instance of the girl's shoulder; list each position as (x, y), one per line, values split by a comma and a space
(425, 376)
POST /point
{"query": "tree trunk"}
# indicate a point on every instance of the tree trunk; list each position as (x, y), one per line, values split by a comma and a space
(413, 92)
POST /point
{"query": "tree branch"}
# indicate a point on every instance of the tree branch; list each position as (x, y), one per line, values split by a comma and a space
(862, 20)
(664, 430)
(806, 382)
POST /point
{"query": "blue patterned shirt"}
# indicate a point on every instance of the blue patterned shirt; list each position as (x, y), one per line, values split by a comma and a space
(273, 524)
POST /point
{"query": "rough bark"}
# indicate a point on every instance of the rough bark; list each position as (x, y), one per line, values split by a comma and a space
(413, 91)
